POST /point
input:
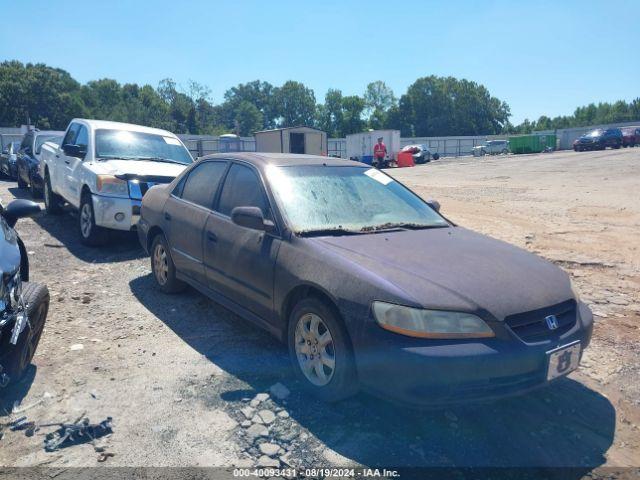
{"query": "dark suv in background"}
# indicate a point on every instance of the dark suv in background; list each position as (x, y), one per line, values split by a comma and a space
(28, 159)
(599, 139)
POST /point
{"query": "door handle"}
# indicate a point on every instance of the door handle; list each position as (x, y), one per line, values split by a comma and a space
(167, 216)
(211, 236)
(67, 162)
(57, 156)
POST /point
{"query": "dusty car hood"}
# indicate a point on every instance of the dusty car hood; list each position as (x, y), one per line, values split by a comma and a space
(133, 167)
(457, 268)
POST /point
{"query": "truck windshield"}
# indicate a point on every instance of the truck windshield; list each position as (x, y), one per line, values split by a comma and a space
(131, 145)
(347, 200)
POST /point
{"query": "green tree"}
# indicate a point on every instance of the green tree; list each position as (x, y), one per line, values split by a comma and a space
(248, 119)
(378, 98)
(294, 104)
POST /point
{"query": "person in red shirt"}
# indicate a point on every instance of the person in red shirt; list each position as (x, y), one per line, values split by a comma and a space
(379, 152)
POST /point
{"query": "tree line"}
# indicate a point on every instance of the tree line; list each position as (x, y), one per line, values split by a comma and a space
(432, 106)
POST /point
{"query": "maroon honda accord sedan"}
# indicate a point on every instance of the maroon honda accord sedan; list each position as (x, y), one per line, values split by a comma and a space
(368, 284)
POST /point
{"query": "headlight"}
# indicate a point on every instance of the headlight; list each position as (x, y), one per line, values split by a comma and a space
(110, 185)
(417, 322)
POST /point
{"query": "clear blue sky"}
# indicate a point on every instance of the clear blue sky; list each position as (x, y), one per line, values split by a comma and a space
(541, 57)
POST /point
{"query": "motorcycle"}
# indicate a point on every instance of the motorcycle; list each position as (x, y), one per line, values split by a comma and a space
(23, 305)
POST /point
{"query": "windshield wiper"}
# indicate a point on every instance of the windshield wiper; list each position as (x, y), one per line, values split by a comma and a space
(401, 225)
(328, 231)
(157, 159)
(115, 157)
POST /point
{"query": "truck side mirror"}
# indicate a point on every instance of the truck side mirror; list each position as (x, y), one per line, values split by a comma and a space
(78, 151)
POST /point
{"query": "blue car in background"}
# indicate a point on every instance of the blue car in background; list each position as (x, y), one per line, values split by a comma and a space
(28, 159)
(8, 159)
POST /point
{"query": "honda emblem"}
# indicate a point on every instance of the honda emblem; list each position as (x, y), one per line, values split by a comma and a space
(552, 322)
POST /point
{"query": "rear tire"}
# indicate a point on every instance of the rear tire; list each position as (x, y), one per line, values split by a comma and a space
(436, 156)
(36, 297)
(52, 201)
(90, 233)
(21, 183)
(33, 190)
(163, 268)
(330, 372)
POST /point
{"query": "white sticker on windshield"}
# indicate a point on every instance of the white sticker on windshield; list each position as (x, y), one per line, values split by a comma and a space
(171, 140)
(378, 176)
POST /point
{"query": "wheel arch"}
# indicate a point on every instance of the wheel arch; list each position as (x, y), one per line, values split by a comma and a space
(153, 232)
(300, 292)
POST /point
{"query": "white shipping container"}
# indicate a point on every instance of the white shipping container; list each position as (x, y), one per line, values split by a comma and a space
(360, 145)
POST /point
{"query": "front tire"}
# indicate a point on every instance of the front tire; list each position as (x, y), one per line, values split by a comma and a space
(36, 297)
(90, 233)
(320, 351)
(21, 183)
(163, 268)
(52, 201)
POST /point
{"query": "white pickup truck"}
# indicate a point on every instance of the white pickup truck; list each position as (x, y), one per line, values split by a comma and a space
(103, 169)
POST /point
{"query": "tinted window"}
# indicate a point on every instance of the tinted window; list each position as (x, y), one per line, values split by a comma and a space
(242, 188)
(72, 133)
(202, 183)
(83, 136)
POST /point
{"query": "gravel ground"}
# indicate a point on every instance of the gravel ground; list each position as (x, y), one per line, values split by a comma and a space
(190, 384)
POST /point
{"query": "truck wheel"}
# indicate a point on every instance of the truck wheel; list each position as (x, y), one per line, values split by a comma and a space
(33, 190)
(52, 202)
(163, 268)
(21, 183)
(36, 297)
(320, 351)
(90, 233)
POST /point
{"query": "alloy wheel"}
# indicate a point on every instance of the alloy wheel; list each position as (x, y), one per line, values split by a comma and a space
(160, 264)
(315, 349)
(86, 220)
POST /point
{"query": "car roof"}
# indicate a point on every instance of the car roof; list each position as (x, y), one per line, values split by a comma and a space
(123, 126)
(285, 159)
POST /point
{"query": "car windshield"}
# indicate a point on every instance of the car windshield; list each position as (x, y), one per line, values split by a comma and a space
(131, 145)
(595, 133)
(40, 139)
(335, 199)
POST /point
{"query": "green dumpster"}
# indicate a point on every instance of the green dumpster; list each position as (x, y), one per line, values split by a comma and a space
(531, 143)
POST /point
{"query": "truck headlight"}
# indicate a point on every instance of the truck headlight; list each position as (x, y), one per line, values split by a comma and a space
(417, 322)
(110, 185)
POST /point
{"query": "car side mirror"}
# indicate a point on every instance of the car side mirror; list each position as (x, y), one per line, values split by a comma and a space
(78, 151)
(434, 204)
(251, 217)
(19, 209)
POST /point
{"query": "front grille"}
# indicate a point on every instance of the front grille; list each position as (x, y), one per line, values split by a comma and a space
(532, 326)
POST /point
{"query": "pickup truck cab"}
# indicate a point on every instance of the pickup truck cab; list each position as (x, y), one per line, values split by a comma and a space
(103, 169)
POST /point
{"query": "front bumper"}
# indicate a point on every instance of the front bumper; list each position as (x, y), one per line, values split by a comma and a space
(116, 213)
(422, 372)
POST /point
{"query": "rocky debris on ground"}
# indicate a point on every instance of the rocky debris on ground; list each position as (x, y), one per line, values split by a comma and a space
(279, 391)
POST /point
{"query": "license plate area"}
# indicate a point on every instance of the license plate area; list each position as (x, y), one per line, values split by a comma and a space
(563, 360)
